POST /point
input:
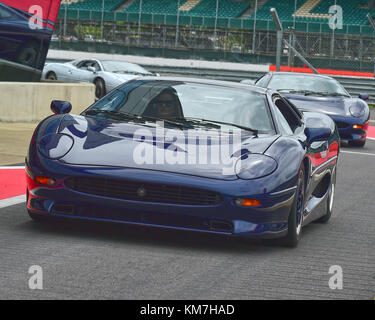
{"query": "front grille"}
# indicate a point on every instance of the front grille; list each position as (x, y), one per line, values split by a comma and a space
(138, 191)
(341, 125)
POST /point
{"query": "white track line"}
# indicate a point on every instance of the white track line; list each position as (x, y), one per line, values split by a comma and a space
(12, 201)
(12, 167)
(364, 153)
(370, 138)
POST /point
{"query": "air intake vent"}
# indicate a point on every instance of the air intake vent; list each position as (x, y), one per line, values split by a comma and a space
(138, 191)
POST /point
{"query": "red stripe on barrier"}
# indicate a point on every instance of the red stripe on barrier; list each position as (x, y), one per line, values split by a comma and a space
(12, 183)
(323, 71)
(371, 132)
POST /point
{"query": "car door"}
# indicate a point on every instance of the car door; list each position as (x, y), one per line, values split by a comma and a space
(74, 71)
(292, 124)
(86, 75)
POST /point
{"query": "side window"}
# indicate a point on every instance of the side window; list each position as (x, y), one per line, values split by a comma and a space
(88, 63)
(96, 66)
(4, 14)
(82, 65)
(113, 101)
(295, 109)
(262, 81)
(285, 128)
(288, 115)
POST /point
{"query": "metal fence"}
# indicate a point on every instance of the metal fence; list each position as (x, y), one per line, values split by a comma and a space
(350, 48)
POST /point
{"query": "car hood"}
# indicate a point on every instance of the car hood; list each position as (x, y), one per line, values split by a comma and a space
(99, 142)
(334, 106)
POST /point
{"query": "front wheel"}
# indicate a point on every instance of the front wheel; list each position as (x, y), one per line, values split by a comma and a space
(99, 88)
(331, 193)
(296, 213)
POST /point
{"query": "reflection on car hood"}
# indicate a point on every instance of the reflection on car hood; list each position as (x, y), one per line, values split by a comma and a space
(329, 105)
(99, 142)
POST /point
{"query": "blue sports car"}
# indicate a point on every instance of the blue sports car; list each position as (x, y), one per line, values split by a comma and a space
(21, 43)
(324, 94)
(189, 154)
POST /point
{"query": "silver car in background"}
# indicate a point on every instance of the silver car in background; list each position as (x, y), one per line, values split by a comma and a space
(105, 74)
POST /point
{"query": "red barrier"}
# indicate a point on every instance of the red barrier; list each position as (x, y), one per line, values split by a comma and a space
(371, 132)
(50, 9)
(12, 183)
(323, 71)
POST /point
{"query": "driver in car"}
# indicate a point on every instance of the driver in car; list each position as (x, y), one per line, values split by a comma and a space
(165, 105)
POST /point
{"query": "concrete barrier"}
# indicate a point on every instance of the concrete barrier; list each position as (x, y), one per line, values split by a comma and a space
(26, 102)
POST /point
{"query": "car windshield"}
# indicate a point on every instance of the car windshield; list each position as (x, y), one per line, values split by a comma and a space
(193, 104)
(306, 84)
(125, 67)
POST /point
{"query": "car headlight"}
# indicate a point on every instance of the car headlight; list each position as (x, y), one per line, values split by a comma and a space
(357, 110)
(55, 145)
(254, 166)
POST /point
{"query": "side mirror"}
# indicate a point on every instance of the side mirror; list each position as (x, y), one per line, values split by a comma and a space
(60, 107)
(364, 96)
(317, 134)
(92, 69)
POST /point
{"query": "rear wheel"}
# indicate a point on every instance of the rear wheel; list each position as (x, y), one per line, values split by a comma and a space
(51, 76)
(296, 213)
(99, 88)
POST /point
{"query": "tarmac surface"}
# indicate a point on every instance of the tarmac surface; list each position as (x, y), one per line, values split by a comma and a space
(83, 260)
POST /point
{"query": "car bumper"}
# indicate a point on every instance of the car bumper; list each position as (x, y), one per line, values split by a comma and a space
(269, 220)
(352, 129)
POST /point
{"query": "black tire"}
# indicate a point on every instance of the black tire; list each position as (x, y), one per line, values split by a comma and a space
(329, 204)
(28, 54)
(100, 90)
(51, 76)
(357, 143)
(296, 213)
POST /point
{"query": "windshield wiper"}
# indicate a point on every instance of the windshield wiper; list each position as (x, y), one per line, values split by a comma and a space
(169, 121)
(123, 115)
(285, 90)
(311, 93)
(305, 92)
(112, 113)
(334, 94)
(255, 131)
(198, 122)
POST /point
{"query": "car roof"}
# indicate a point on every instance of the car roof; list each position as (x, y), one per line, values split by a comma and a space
(230, 84)
(300, 74)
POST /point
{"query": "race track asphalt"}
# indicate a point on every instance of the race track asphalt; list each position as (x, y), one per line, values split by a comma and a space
(107, 261)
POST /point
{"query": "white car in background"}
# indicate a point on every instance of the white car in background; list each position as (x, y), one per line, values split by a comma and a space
(105, 74)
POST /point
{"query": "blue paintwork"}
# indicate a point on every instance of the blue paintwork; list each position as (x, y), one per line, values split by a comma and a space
(21, 44)
(103, 148)
(338, 108)
(60, 107)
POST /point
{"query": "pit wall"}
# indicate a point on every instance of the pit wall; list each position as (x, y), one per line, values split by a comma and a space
(27, 102)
